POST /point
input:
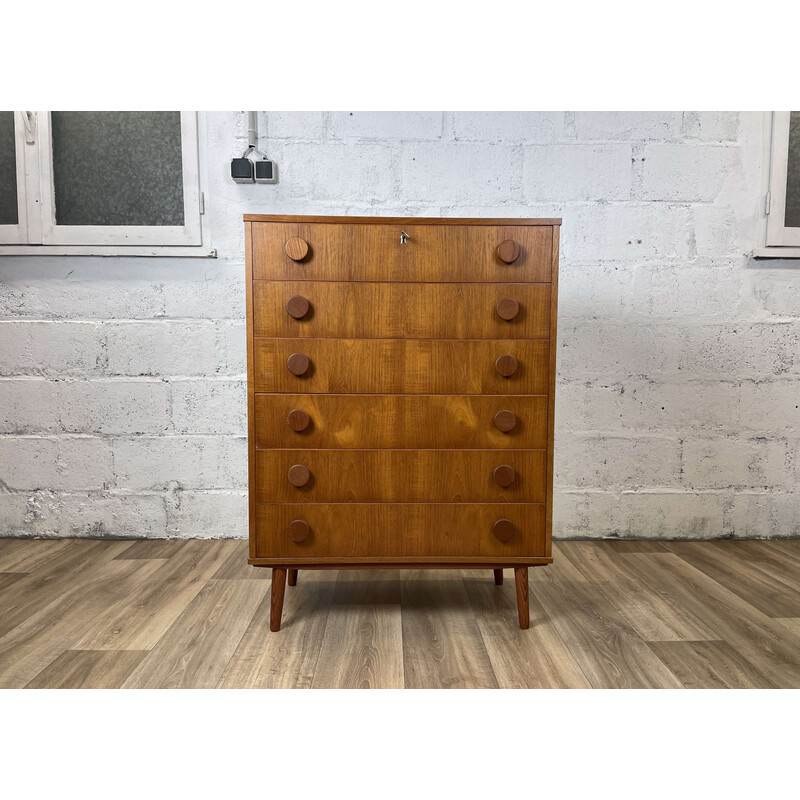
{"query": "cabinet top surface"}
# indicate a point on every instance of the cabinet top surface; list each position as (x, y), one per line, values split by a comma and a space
(399, 220)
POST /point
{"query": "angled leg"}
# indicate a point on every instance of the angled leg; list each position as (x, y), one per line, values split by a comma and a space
(292, 577)
(498, 577)
(276, 600)
(523, 608)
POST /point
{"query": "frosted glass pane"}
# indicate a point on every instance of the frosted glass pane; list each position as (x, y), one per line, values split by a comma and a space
(117, 167)
(9, 213)
(792, 219)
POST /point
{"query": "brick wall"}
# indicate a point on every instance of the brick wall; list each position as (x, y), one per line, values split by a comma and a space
(122, 381)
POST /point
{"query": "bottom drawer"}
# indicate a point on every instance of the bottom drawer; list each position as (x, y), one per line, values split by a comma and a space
(393, 530)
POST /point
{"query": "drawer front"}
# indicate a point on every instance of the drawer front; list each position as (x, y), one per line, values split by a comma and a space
(401, 476)
(412, 366)
(375, 253)
(402, 310)
(355, 530)
(401, 421)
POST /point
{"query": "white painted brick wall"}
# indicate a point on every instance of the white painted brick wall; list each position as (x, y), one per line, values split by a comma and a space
(577, 172)
(524, 126)
(675, 172)
(436, 173)
(628, 126)
(122, 380)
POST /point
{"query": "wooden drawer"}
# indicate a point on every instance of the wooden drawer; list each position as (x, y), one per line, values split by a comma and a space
(402, 310)
(410, 476)
(380, 530)
(410, 366)
(373, 252)
(401, 421)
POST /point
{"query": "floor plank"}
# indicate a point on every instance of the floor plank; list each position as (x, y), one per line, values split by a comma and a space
(777, 564)
(59, 570)
(532, 659)
(790, 547)
(790, 623)
(362, 649)
(742, 577)
(26, 555)
(37, 641)
(9, 578)
(8, 545)
(627, 546)
(88, 669)
(374, 586)
(605, 614)
(650, 614)
(154, 548)
(710, 665)
(236, 567)
(442, 644)
(139, 620)
(285, 659)
(195, 651)
(761, 641)
(602, 642)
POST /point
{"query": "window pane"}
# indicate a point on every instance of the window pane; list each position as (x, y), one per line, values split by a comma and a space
(9, 213)
(792, 219)
(117, 167)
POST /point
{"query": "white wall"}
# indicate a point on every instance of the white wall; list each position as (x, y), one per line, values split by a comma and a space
(122, 381)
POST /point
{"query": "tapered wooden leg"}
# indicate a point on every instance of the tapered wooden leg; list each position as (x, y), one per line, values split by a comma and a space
(276, 601)
(292, 577)
(498, 577)
(523, 607)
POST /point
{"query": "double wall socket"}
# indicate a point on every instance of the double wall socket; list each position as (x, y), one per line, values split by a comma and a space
(247, 170)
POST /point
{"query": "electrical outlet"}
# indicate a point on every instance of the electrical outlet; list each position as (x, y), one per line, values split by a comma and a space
(266, 171)
(242, 170)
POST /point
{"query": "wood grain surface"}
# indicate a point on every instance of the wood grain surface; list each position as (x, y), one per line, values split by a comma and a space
(328, 219)
(401, 310)
(399, 530)
(408, 366)
(361, 649)
(397, 476)
(400, 421)
(196, 649)
(596, 615)
(373, 252)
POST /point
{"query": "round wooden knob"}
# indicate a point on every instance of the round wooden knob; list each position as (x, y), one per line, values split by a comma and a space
(297, 306)
(299, 530)
(504, 475)
(506, 365)
(297, 419)
(298, 364)
(300, 475)
(507, 308)
(508, 251)
(296, 248)
(504, 529)
(505, 420)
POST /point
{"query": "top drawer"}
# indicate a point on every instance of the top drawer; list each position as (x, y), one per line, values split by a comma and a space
(330, 251)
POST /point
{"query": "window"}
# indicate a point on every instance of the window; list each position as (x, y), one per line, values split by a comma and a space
(781, 224)
(105, 182)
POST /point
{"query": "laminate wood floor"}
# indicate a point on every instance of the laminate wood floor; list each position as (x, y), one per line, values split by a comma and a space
(193, 614)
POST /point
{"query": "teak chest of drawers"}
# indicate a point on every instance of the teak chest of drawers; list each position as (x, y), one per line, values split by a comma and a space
(400, 387)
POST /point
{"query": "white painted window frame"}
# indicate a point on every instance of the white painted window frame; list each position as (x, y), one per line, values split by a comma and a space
(778, 240)
(40, 234)
(18, 234)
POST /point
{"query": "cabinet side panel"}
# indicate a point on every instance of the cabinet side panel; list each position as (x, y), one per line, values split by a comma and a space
(551, 407)
(251, 407)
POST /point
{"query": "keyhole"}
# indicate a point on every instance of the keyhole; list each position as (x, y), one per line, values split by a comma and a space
(404, 237)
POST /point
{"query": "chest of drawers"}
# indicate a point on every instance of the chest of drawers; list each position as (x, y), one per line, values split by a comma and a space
(400, 385)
